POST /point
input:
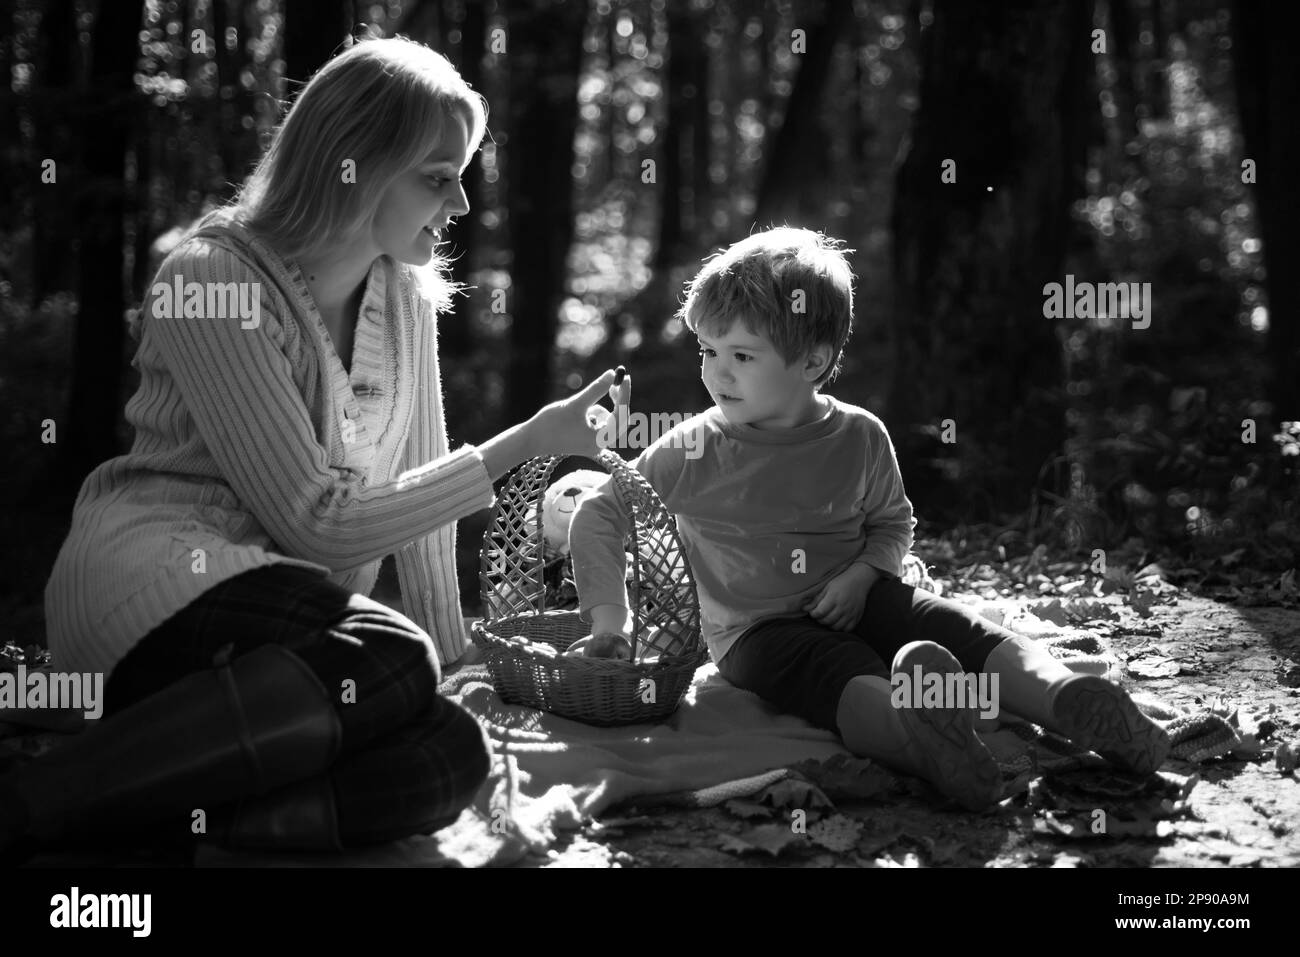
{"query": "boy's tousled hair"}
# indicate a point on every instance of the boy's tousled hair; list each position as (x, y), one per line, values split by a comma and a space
(382, 103)
(765, 280)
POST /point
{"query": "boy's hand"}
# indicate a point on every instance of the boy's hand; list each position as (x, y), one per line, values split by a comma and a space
(840, 603)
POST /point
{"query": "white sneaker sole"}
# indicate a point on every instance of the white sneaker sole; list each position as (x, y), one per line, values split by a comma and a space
(957, 762)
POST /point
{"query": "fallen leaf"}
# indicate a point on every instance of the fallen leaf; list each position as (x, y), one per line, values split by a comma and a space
(1286, 587)
(1090, 785)
(1154, 666)
(873, 842)
(1286, 758)
(843, 777)
(793, 792)
(1073, 612)
(1117, 578)
(942, 851)
(748, 809)
(1141, 602)
(836, 833)
(1150, 571)
(1052, 611)
(769, 838)
(1228, 559)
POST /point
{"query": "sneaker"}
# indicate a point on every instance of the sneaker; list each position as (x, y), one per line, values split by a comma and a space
(1100, 716)
(953, 757)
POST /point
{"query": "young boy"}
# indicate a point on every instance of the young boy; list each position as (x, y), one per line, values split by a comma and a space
(793, 515)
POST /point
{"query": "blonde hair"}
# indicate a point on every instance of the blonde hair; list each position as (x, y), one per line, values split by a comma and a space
(792, 285)
(382, 104)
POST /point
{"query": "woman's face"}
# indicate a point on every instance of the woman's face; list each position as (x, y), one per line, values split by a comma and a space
(418, 204)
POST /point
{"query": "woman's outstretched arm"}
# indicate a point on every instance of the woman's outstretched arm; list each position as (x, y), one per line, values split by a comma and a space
(238, 387)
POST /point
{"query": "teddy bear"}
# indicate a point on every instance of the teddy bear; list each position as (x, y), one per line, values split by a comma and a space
(560, 502)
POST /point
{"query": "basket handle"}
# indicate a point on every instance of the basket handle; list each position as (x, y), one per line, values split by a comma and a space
(525, 486)
(624, 486)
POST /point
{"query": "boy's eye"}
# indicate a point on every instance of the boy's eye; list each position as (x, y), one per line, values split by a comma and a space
(741, 357)
(705, 352)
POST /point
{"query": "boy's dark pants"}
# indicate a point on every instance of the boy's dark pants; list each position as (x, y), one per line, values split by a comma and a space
(410, 760)
(802, 667)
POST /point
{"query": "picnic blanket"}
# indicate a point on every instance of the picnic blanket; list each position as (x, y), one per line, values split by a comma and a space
(550, 774)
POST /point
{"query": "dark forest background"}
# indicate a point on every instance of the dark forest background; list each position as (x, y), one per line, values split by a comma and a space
(630, 138)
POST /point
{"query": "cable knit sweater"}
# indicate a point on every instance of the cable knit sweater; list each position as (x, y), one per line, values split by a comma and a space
(253, 446)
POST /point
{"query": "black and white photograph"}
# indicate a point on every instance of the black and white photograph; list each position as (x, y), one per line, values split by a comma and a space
(650, 434)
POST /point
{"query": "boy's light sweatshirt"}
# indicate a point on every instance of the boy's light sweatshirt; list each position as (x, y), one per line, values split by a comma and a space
(767, 517)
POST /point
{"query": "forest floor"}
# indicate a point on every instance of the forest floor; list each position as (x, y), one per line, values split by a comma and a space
(1234, 647)
(1239, 809)
(1216, 636)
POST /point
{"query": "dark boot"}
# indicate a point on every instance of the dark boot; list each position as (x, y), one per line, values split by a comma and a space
(242, 728)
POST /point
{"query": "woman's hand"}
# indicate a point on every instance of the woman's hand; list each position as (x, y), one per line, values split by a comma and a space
(560, 428)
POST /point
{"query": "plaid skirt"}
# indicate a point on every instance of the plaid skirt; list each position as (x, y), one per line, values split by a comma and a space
(410, 759)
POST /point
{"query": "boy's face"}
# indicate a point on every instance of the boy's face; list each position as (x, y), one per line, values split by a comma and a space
(751, 383)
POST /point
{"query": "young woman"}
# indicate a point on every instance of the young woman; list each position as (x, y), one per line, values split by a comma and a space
(289, 435)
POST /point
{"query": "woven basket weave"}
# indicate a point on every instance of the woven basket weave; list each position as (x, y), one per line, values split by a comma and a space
(523, 641)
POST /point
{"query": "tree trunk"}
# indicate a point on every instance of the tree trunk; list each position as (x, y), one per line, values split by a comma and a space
(796, 152)
(771, 20)
(678, 79)
(701, 135)
(56, 92)
(237, 145)
(1157, 80)
(545, 43)
(111, 118)
(1002, 93)
(314, 30)
(1268, 77)
(10, 128)
(1124, 54)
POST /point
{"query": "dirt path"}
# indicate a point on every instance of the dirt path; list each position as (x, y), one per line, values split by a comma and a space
(1241, 811)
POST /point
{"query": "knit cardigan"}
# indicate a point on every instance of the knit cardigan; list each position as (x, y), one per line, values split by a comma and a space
(253, 446)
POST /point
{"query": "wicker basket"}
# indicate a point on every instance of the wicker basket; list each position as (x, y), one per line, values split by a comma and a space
(523, 641)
